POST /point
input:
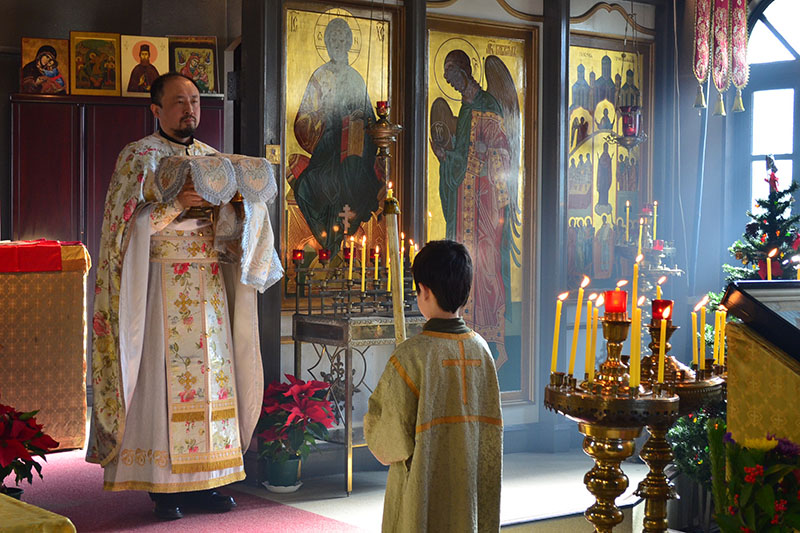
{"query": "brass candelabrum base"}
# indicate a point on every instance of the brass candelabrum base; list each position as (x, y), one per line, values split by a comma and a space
(610, 415)
(694, 390)
(608, 446)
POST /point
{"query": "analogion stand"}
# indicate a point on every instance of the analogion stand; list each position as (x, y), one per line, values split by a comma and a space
(338, 319)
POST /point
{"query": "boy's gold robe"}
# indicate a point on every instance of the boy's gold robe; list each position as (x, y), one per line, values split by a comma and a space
(435, 417)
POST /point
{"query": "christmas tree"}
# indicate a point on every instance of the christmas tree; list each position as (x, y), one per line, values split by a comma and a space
(772, 227)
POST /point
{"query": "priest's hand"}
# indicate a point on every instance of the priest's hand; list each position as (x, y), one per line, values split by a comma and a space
(188, 197)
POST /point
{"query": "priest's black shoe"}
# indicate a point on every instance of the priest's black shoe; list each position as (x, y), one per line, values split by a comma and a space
(167, 507)
(209, 500)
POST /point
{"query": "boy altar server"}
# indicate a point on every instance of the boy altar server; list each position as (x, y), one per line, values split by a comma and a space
(435, 415)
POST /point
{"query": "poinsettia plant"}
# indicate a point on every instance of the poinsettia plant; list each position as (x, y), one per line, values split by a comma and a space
(761, 491)
(293, 416)
(21, 440)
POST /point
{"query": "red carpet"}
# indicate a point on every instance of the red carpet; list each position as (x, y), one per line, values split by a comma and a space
(74, 488)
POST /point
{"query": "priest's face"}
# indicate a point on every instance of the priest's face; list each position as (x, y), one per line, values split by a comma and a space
(179, 112)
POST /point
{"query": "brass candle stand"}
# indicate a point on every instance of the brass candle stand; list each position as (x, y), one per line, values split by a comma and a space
(610, 415)
(694, 389)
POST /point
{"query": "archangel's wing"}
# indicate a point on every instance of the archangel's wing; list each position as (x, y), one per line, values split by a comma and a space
(500, 84)
(443, 124)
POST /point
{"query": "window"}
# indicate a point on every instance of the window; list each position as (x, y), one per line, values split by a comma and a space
(773, 92)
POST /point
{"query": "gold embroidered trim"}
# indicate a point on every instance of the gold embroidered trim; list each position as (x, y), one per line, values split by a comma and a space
(193, 468)
(463, 362)
(404, 375)
(460, 420)
(174, 487)
(199, 416)
(453, 336)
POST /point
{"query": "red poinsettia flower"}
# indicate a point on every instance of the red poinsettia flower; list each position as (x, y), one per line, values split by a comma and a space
(22, 440)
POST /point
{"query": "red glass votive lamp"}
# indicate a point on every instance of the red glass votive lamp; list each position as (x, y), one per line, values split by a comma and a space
(659, 306)
(298, 255)
(630, 120)
(616, 301)
(382, 107)
(324, 255)
(346, 252)
(658, 245)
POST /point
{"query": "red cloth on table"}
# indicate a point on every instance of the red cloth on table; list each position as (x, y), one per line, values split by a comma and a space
(30, 256)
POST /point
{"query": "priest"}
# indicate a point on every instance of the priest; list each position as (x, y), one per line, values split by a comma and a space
(176, 363)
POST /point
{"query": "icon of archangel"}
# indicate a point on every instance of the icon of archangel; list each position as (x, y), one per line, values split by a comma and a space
(479, 178)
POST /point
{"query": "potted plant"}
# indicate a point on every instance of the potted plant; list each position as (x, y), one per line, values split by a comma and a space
(21, 440)
(293, 416)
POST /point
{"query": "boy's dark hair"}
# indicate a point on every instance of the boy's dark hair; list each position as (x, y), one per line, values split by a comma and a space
(445, 267)
(157, 88)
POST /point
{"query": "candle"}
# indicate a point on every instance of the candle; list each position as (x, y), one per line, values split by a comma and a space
(559, 303)
(694, 338)
(389, 272)
(595, 318)
(655, 219)
(636, 279)
(389, 193)
(660, 282)
(636, 348)
(616, 301)
(402, 266)
(588, 359)
(769, 262)
(796, 261)
(723, 324)
(627, 220)
(430, 223)
(639, 250)
(363, 263)
(350, 268)
(377, 260)
(412, 253)
(701, 355)
(716, 337)
(662, 344)
(578, 310)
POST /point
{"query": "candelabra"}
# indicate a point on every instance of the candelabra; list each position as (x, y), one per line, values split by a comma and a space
(610, 414)
(694, 390)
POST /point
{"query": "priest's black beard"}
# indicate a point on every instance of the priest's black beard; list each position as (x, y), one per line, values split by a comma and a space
(188, 131)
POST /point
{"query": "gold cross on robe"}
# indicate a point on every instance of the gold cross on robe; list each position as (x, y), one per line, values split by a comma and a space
(462, 362)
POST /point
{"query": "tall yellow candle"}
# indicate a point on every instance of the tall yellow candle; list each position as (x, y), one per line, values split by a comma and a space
(430, 223)
(662, 344)
(694, 338)
(769, 262)
(716, 336)
(587, 359)
(593, 353)
(377, 260)
(350, 268)
(363, 263)
(559, 303)
(655, 219)
(636, 348)
(723, 325)
(627, 220)
(577, 325)
(701, 355)
(402, 266)
(635, 289)
(389, 272)
(639, 249)
(660, 282)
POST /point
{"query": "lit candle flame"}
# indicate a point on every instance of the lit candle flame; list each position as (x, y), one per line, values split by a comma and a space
(655, 204)
(704, 301)
(722, 308)
(600, 301)
(699, 305)
(627, 203)
(666, 314)
(661, 280)
(585, 282)
(593, 296)
(772, 253)
(622, 283)
(377, 250)
(796, 259)
(390, 185)
(363, 240)
(639, 258)
(641, 221)
(640, 301)
(563, 296)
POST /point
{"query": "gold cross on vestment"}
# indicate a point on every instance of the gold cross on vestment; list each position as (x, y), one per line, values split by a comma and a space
(463, 362)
